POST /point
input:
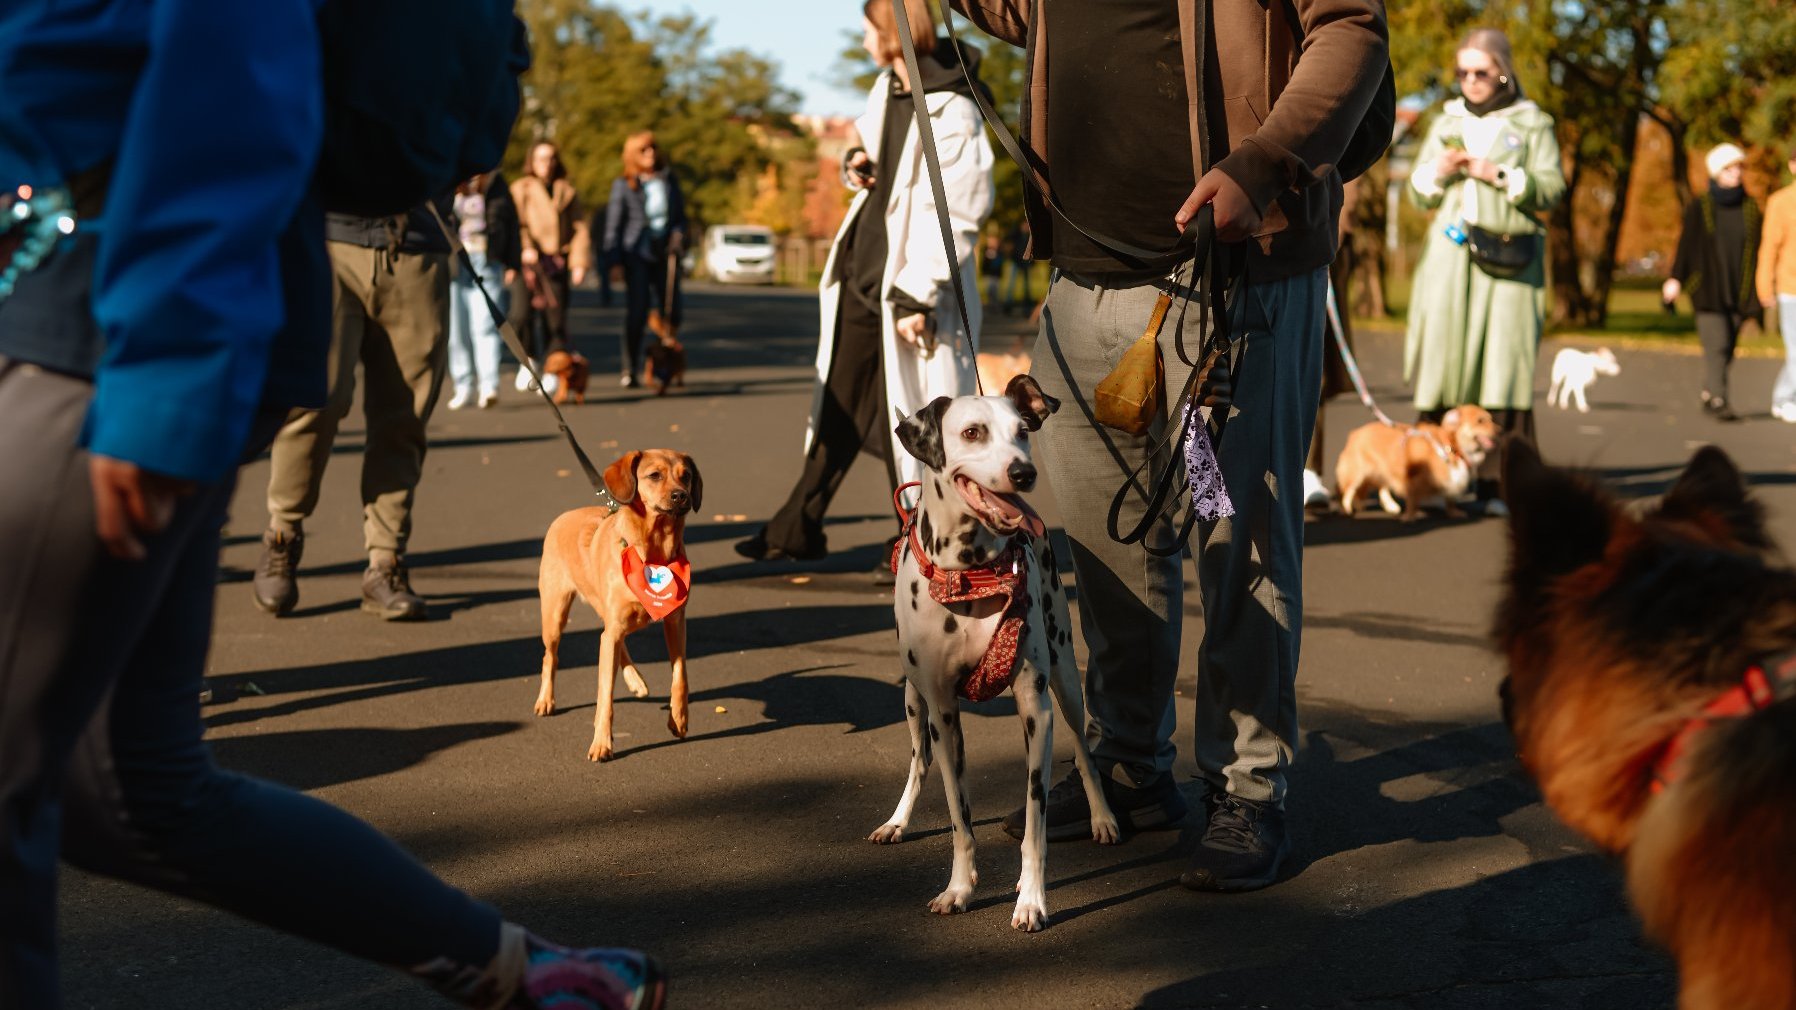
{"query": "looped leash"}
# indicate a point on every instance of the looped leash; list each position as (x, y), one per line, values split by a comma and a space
(517, 349)
(1339, 332)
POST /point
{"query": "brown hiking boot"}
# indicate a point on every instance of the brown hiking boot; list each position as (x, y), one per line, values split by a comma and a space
(274, 586)
(387, 591)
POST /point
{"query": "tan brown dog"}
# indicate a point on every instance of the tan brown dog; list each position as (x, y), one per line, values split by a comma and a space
(1651, 690)
(664, 360)
(1416, 463)
(586, 554)
(571, 369)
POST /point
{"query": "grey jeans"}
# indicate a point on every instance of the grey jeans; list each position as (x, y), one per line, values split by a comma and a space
(1250, 566)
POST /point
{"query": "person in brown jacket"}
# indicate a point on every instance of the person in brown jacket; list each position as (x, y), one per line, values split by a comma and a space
(557, 249)
(1117, 119)
(1776, 283)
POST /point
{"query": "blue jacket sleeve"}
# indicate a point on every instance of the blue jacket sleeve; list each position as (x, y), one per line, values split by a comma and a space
(217, 153)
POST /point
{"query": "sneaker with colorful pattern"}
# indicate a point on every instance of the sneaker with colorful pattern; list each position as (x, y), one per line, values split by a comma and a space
(593, 978)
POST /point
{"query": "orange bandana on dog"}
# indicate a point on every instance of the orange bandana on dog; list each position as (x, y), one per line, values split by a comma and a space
(661, 589)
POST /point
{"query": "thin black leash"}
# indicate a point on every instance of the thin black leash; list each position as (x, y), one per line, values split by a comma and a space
(524, 361)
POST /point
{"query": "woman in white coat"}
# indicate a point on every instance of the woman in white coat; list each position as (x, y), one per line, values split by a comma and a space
(891, 337)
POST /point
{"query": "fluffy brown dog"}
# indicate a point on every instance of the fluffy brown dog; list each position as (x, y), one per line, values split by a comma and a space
(1652, 694)
(584, 555)
(571, 369)
(1417, 463)
(664, 361)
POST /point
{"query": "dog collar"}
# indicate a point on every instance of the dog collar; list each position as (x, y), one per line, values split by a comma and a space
(661, 589)
(1001, 576)
(1764, 685)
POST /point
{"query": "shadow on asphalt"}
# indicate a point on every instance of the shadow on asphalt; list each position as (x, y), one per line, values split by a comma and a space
(313, 759)
(1533, 936)
(1652, 481)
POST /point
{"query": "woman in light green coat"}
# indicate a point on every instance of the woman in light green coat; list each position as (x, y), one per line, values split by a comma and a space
(1490, 160)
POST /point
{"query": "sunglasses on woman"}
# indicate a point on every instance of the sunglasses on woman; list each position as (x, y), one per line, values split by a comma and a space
(1478, 74)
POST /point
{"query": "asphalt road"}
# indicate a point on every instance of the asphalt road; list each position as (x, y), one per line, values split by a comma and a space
(1426, 873)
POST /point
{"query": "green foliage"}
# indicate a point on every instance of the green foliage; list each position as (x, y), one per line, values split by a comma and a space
(599, 75)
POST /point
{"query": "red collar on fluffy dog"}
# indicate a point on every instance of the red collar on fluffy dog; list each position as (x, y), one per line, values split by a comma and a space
(1759, 689)
(1001, 576)
(661, 589)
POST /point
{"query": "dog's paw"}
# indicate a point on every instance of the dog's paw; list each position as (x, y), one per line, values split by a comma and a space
(599, 752)
(951, 901)
(633, 680)
(887, 834)
(1031, 916)
(545, 706)
(676, 724)
(1105, 831)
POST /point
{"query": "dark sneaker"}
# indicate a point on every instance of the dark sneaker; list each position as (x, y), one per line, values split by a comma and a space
(275, 589)
(1717, 408)
(1241, 850)
(596, 978)
(1151, 807)
(387, 591)
(756, 548)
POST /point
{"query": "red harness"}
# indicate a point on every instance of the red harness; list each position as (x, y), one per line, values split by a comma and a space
(1759, 689)
(1001, 576)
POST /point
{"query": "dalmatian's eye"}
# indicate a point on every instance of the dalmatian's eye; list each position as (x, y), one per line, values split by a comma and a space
(973, 433)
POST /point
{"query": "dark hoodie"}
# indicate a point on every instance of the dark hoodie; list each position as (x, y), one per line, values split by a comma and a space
(864, 264)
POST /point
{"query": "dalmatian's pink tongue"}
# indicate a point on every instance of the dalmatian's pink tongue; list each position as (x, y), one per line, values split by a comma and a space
(1003, 511)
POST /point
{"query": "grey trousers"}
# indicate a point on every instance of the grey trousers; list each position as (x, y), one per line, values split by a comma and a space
(1719, 332)
(390, 313)
(1250, 566)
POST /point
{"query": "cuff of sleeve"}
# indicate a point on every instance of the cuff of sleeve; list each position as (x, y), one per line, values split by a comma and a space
(1426, 181)
(170, 435)
(1517, 186)
(903, 304)
(1260, 174)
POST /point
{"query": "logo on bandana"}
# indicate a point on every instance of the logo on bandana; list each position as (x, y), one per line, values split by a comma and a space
(661, 589)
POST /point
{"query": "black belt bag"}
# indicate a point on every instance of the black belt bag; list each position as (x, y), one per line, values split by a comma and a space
(1499, 255)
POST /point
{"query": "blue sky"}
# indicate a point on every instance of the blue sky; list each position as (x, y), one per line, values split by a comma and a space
(803, 36)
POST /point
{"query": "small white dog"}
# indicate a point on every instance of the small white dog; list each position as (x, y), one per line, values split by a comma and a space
(1575, 370)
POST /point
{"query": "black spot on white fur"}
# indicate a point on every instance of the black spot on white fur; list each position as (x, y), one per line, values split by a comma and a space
(910, 656)
(949, 624)
(1029, 728)
(935, 734)
(1035, 791)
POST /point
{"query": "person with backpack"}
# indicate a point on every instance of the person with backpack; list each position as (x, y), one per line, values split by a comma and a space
(1488, 167)
(1119, 119)
(168, 304)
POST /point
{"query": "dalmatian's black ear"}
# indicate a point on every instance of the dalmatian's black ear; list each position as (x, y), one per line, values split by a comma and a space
(1035, 406)
(921, 433)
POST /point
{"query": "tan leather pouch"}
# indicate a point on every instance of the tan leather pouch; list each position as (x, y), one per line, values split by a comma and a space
(1130, 397)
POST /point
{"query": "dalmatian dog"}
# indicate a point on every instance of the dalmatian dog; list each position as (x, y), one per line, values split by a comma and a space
(971, 518)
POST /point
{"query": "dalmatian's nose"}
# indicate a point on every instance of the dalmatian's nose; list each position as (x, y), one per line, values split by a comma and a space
(1022, 475)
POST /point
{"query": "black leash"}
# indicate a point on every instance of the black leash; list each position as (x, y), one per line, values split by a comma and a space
(517, 348)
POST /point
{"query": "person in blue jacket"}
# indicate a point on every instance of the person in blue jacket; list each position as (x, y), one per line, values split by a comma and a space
(164, 298)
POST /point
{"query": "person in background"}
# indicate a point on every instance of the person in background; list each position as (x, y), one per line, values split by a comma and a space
(390, 315)
(488, 222)
(645, 232)
(557, 252)
(142, 357)
(891, 339)
(1776, 283)
(1490, 161)
(1717, 254)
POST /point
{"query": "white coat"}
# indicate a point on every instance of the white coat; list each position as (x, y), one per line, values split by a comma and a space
(916, 263)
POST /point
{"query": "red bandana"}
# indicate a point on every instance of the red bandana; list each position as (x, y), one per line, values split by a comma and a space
(1002, 576)
(1762, 687)
(661, 589)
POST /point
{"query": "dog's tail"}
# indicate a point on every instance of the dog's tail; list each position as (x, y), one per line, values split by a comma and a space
(1710, 870)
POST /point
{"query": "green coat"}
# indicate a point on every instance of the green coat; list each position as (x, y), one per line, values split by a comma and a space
(1473, 338)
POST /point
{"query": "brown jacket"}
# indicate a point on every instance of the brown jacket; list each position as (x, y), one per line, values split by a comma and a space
(1282, 122)
(553, 224)
(1776, 273)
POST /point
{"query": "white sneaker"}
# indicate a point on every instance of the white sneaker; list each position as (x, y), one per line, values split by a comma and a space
(1495, 509)
(1315, 493)
(460, 399)
(488, 399)
(551, 383)
(525, 383)
(1784, 412)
